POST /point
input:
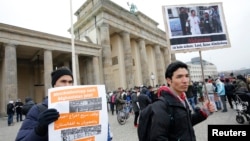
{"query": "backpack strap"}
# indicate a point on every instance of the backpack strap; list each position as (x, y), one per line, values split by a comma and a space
(170, 111)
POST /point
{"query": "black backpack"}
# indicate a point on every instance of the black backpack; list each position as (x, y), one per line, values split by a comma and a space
(26, 108)
(145, 117)
(41, 107)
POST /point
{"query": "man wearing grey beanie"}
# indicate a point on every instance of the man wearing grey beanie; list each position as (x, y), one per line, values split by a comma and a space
(35, 125)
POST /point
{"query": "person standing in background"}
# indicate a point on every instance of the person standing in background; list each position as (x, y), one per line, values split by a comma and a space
(221, 92)
(108, 101)
(216, 95)
(113, 102)
(229, 87)
(18, 108)
(201, 96)
(241, 84)
(27, 106)
(119, 100)
(190, 95)
(143, 99)
(210, 92)
(195, 92)
(10, 112)
(135, 106)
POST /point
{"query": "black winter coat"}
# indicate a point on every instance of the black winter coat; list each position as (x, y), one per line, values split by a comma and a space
(181, 127)
(143, 100)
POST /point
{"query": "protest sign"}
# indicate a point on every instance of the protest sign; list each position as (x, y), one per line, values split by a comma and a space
(195, 27)
(83, 113)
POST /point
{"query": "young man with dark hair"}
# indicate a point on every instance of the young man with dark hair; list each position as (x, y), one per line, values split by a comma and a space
(172, 118)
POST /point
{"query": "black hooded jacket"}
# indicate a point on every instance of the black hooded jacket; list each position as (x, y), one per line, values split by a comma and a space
(143, 99)
(181, 126)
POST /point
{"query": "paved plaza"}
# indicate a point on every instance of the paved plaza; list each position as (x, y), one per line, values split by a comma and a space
(128, 132)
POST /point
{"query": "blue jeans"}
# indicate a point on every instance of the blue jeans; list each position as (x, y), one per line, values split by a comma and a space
(19, 117)
(218, 105)
(223, 101)
(191, 102)
(10, 119)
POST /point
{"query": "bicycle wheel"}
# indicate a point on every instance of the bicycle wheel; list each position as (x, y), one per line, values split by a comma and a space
(121, 117)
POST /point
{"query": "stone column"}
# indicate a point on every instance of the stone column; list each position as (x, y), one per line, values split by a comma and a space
(96, 70)
(89, 74)
(100, 67)
(127, 59)
(144, 63)
(137, 68)
(10, 73)
(84, 71)
(167, 56)
(106, 55)
(48, 68)
(160, 67)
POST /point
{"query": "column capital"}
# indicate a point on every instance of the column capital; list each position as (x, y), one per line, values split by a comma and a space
(10, 44)
(125, 33)
(156, 45)
(141, 39)
(104, 25)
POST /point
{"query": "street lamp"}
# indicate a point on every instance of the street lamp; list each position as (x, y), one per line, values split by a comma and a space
(152, 78)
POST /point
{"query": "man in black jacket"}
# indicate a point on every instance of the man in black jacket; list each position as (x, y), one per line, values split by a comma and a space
(10, 112)
(229, 89)
(178, 124)
(35, 125)
(143, 99)
(135, 105)
(18, 108)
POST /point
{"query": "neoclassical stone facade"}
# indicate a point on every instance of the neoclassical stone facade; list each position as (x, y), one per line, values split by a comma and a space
(112, 47)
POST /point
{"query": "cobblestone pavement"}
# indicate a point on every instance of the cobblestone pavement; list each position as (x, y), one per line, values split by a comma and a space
(128, 132)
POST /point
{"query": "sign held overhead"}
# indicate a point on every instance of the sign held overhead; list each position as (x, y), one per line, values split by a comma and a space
(195, 27)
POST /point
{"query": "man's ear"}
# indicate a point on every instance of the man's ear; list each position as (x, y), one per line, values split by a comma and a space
(169, 81)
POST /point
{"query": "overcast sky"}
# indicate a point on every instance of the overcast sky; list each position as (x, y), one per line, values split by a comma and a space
(53, 16)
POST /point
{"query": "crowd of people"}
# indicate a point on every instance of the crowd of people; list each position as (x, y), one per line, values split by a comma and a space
(180, 93)
(215, 91)
(19, 109)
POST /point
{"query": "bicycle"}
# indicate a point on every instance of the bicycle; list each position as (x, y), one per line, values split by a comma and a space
(123, 114)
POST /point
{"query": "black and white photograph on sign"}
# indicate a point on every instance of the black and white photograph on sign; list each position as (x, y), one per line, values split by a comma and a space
(194, 20)
(81, 132)
(85, 105)
(195, 27)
